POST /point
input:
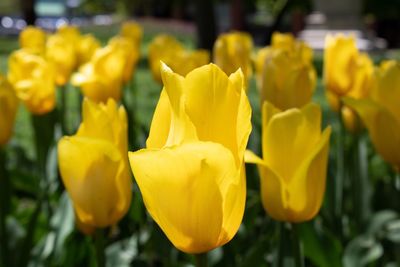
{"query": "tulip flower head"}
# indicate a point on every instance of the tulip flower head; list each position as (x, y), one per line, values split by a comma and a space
(32, 78)
(347, 73)
(8, 110)
(94, 165)
(295, 157)
(33, 38)
(96, 80)
(380, 111)
(132, 30)
(233, 51)
(284, 72)
(87, 46)
(131, 54)
(194, 158)
(61, 54)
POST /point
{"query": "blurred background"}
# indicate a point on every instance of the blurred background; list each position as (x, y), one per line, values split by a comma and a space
(375, 23)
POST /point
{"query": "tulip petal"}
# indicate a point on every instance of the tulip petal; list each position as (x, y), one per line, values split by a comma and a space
(181, 185)
(218, 122)
(89, 168)
(382, 125)
(387, 91)
(160, 125)
(290, 136)
(243, 124)
(181, 128)
(273, 197)
(234, 204)
(250, 157)
(306, 189)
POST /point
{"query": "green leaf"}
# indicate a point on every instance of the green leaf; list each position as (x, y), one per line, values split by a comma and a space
(320, 246)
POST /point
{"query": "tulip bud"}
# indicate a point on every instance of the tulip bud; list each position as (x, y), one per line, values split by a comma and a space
(194, 158)
(87, 46)
(132, 31)
(233, 51)
(294, 164)
(8, 110)
(61, 54)
(33, 80)
(162, 48)
(131, 55)
(287, 81)
(94, 165)
(32, 38)
(96, 80)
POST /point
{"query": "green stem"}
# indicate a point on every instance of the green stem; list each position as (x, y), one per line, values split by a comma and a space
(340, 169)
(129, 102)
(290, 252)
(201, 260)
(4, 209)
(99, 245)
(63, 109)
(360, 182)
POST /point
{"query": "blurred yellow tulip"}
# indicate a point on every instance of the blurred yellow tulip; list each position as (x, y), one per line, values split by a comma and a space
(194, 158)
(132, 31)
(287, 80)
(232, 51)
(71, 33)
(87, 46)
(300, 55)
(294, 164)
(131, 55)
(8, 110)
(186, 61)
(61, 54)
(380, 112)
(356, 82)
(33, 38)
(101, 77)
(94, 165)
(340, 56)
(32, 78)
(162, 48)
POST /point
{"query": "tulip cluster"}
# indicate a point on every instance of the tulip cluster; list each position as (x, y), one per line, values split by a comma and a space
(195, 154)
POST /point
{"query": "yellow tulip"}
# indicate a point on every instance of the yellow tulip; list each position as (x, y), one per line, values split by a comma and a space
(132, 31)
(194, 158)
(70, 32)
(284, 45)
(162, 48)
(101, 77)
(33, 38)
(94, 165)
(340, 56)
(358, 84)
(295, 158)
(33, 80)
(131, 55)
(287, 81)
(87, 46)
(380, 112)
(232, 51)
(8, 110)
(186, 61)
(61, 54)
